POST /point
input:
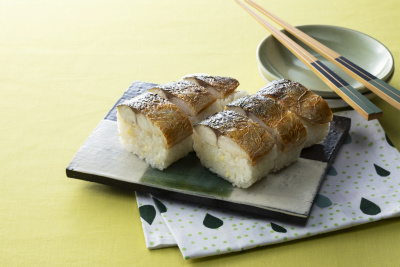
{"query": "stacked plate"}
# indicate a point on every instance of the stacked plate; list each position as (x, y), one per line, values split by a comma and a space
(276, 62)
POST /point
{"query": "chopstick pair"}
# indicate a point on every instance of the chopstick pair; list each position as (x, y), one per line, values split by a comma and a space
(354, 98)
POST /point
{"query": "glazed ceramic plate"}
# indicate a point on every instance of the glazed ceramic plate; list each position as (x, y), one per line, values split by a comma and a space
(287, 194)
(276, 62)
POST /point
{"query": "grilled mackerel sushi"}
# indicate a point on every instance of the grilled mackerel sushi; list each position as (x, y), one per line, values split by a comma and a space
(312, 109)
(234, 147)
(194, 100)
(154, 129)
(284, 126)
(219, 87)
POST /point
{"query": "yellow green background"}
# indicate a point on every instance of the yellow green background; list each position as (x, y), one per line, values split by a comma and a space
(64, 64)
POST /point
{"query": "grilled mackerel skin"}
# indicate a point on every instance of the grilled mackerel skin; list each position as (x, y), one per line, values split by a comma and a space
(195, 97)
(299, 100)
(275, 116)
(223, 86)
(172, 122)
(248, 135)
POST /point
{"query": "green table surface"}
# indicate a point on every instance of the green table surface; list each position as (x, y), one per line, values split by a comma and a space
(64, 64)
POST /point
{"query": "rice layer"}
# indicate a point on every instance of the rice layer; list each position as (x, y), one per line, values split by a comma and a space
(316, 133)
(235, 168)
(150, 145)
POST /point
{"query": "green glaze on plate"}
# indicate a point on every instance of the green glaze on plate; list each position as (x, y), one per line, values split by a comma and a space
(189, 175)
(275, 61)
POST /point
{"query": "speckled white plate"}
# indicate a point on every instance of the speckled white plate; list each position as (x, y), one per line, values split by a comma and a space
(287, 194)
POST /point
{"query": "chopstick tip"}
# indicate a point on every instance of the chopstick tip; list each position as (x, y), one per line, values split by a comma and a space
(375, 116)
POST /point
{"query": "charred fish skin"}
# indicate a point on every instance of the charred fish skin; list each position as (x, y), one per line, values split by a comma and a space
(248, 135)
(219, 86)
(284, 126)
(189, 97)
(297, 98)
(287, 129)
(167, 117)
(311, 109)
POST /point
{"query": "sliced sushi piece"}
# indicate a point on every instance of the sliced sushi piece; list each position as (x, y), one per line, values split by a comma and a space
(284, 126)
(223, 88)
(194, 100)
(218, 86)
(234, 147)
(311, 108)
(154, 129)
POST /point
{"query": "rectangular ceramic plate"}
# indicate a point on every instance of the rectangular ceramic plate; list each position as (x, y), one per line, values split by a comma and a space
(287, 194)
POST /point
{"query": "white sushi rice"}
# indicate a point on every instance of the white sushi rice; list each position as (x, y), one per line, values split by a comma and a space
(235, 95)
(150, 145)
(286, 158)
(235, 168)
(316, 133)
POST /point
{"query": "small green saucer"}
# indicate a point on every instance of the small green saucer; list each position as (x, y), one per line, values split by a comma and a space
(276, 62)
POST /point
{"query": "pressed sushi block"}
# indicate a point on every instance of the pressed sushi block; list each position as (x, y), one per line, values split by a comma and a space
(154, 129)
(218, 86)
(223, 88)
(311, 108)
(234, 147)
(194, 100)
(284, 126)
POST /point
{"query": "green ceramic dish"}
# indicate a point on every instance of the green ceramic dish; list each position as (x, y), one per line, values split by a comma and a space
(276, 62)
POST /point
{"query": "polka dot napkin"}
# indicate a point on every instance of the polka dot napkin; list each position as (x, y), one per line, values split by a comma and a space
(362, 186)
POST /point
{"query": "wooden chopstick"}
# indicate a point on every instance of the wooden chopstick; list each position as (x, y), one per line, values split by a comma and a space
(354, 98)
(376, 85)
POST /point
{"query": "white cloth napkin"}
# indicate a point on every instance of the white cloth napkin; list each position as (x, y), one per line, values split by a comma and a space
(362, 186)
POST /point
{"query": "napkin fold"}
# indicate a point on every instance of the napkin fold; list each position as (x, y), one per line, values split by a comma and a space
(362, 186)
